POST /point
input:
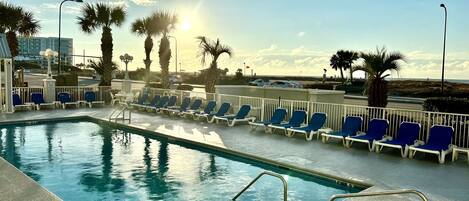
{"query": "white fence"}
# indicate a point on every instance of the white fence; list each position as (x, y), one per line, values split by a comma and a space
(77, 93)
(263, 108)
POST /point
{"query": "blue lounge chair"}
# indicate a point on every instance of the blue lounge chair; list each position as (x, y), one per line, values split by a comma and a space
(18, 103)
(439, 143)
(241, 116)
(224, 107)
(195, 106)
(350, 127)
(141, 100)
(90, 99)
(154, 101)
(39, 102)
(317, 122)
(377, 128)
(296, 120)
(171, 103)
(66, 99)
(163, 101)
(207, 111)
(174, 109)
(277, 118)
(406, 136)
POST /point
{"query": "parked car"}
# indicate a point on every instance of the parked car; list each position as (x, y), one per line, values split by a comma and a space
(259, 82)
(285, 84)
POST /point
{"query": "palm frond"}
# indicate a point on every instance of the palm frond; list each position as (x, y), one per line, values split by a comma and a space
(87, 20)
(29, 26)
(117, 16)
(103, 14)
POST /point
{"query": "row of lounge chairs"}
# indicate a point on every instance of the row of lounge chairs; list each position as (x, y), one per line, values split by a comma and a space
(189, 108)
(64, 99)
(406, 138)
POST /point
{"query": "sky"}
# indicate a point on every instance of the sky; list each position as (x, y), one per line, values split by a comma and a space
(279, 37)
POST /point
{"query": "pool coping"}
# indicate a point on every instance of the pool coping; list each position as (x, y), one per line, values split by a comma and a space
(207, 145)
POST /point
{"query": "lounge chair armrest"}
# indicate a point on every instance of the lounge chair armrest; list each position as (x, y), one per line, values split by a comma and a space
(452, 146)
(387, 138)
(360, 133)
(418, 143)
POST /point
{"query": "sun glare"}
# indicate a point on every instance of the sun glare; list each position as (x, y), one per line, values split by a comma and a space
(186, 24)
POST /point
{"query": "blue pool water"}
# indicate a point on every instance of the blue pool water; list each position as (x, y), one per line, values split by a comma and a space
(81, 160)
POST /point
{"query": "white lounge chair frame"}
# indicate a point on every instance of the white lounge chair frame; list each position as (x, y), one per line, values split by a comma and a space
(234, 121)
(379, 145)
(441, 154)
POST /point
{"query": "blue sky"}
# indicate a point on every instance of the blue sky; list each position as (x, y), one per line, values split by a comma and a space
(288, 37)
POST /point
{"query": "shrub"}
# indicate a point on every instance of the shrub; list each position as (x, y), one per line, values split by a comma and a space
(185, 87)
(447, 104)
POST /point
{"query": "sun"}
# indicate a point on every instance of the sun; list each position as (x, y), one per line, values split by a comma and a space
(186, 24)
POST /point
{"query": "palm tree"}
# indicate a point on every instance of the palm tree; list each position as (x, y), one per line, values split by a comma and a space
(165, 22)
(212, 49)
(343, 60)
(99, 68)
(102, 16)
(146, 27)
(13, 21)
(376, 65)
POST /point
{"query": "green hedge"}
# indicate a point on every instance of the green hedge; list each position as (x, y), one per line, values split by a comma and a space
(447, 104)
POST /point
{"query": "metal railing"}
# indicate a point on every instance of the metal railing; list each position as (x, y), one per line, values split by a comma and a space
(285, 184)
(119, 113)
(380, 193)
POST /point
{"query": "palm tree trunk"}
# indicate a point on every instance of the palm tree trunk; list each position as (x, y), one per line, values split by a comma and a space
(147, 61)
(211, 77)
(378, 93)
(165, 56)
(351, 74)
(341, 74)
(12, 43)
(106, 49)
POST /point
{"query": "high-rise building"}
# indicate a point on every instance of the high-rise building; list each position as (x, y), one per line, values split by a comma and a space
(29, 48)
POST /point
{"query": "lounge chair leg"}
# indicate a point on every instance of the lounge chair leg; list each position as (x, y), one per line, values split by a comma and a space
(289, 133)
(310, 137)
(378, 149)
(441, 157)
(371, 146)
(324, 139)
(405, 151)
(411, 153)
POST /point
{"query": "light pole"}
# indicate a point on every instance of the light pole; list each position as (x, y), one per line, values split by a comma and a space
(126, 58)
(49, 54)
(60, 29)
(175, 64)
(444, 49)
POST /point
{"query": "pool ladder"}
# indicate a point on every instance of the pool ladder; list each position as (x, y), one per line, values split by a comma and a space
(285, 185)
(380, 193)
(119, 113)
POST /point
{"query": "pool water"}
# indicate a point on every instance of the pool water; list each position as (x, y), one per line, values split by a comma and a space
(82, 160)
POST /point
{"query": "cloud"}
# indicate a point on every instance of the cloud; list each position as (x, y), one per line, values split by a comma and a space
(144, 2)
(270, 49)
(301, 34)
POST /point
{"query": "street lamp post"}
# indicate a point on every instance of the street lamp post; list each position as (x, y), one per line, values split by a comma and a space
(126, 85)
(49, 54)
(175, 64)
(49, 82)
(60, 29)
(444, 49)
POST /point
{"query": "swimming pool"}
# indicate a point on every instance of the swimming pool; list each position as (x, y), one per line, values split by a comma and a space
(82, 160)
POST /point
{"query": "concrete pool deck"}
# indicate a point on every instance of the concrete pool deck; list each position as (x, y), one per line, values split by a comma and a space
(384, 171)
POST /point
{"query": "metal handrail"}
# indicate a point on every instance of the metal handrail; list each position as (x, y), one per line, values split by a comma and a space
(381, 193)
(121, 111)
(285, 185)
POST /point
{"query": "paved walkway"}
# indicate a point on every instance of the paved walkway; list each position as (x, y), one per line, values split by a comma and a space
(384, 171)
